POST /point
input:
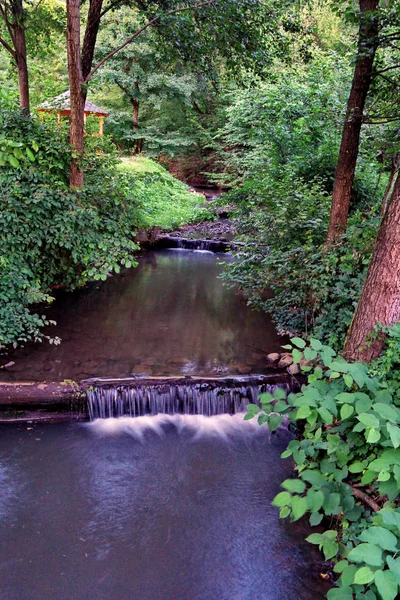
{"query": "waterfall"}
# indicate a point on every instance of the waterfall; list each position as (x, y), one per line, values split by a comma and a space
(208, 398)
(168, 241)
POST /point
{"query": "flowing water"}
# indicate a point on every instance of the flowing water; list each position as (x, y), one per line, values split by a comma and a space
(170, 316)
(152, 505)
(151, 508)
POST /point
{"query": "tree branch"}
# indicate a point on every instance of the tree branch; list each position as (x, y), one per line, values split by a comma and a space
(139, 31)
(366, 499)
(8, 47)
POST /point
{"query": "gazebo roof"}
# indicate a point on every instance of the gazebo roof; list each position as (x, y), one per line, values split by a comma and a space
(62, 105)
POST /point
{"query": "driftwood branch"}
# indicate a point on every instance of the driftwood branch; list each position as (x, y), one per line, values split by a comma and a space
(139, 31)
(366, 499)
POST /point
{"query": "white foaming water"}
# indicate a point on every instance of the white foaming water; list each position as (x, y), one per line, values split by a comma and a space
(222, 426)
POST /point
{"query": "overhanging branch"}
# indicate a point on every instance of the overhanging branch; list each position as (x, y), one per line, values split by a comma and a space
(139, 31)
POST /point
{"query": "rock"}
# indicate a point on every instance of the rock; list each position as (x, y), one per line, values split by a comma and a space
(285, 361)
(294, 369)
(273, 357)
(8, 365)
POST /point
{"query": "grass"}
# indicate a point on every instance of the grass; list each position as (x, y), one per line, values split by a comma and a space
(164, 201)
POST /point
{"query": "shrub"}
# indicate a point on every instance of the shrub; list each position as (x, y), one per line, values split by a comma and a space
(347, 462)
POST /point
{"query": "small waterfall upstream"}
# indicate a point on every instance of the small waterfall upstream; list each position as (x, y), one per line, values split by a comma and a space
(184, 397)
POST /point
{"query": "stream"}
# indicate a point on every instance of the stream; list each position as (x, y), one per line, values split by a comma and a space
(157, 506)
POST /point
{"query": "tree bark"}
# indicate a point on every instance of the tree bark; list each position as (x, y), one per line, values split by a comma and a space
(379, 302)
(392, 179)
(77, 97)
(17, 32)
(91, 31)
(344, 176)
(22, 66)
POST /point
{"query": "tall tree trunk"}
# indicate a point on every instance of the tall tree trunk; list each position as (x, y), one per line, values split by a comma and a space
(19, 41)
(77, 98)
(89, 40)
(135, 104)
(344, 177)
(380, 297)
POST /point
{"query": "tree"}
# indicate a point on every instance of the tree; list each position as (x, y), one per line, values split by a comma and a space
(379, 303)
(346, 166)
(12, 13)
(222, 19)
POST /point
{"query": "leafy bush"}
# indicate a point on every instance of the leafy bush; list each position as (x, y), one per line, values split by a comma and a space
(50, 234)
(282, 264)
(347, 462)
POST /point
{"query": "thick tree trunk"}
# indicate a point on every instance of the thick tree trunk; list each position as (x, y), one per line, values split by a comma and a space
(344, 177)
(380, 297)
(22, 66)
(77, 97)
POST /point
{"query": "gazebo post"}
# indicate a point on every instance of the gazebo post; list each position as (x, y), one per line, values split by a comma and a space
(101, 126)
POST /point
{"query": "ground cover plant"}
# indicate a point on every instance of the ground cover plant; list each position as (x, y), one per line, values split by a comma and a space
(347, 465)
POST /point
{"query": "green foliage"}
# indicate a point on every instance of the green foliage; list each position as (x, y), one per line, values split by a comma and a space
(282, 264)
(164, 201)
(347, 462)
(51, 235)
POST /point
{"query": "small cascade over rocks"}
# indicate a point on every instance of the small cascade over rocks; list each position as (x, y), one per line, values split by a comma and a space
(137, 398)
(169, 241)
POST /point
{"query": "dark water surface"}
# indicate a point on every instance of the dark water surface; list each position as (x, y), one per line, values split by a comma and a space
(170, 316)
(152, 508)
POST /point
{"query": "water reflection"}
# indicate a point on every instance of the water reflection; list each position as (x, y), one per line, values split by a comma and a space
(170, 316)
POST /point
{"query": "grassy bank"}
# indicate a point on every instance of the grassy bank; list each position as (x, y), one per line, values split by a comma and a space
(164, 201)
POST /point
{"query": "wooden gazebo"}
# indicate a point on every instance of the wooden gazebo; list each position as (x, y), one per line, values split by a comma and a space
(60, 105)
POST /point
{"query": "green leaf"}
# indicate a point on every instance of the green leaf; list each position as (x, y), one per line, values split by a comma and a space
(274, 422)
(348, 380)
(315, 538)
(296, 341)
(347, 577)
(369, 420)
(386, 583)
(13, 161)
(282, 499)
(388, 413)
(299, 507)
(340, 566)
(364, 576)
(330, 549)
(346, 411)
(394, 566)
(394, 433)
(368, 553)
(316, 344)
(310, 354)
(303, 412)
(294, 485)
(315, 519)
(279, 393)
(30, 154)
(266, 398)
(373, 436)
(331, 503)
(284, 512)
(380, 536)
(313, 477)
(325, 415)
(356, 467)
(297, 356)
(342, 593)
